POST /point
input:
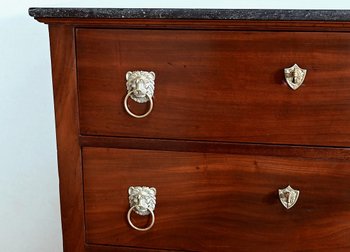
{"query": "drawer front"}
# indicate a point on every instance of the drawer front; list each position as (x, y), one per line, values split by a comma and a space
(217, 202)
(217, 85)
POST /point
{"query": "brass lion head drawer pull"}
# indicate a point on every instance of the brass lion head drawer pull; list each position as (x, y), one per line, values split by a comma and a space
(288, 196)
(142, 200)
(140, 88)
(295, 76)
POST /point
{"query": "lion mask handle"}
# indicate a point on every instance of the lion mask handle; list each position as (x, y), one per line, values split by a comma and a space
(140, 88)
(142, 200)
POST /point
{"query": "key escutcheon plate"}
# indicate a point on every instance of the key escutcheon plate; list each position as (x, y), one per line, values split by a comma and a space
(294, 76)
(288, 196)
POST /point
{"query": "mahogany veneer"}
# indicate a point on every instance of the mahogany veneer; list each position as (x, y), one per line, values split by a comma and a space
(217, 202)
(225, 134)
(230, 84)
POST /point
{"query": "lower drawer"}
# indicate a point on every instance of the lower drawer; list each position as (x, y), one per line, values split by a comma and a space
(217, 202)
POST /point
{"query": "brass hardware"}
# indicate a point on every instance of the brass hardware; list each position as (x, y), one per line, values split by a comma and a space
(140, 88)
(295, 76)
(288, 196)
(142, 200)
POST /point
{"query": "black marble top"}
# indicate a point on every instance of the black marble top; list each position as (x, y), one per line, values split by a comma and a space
(224, 14)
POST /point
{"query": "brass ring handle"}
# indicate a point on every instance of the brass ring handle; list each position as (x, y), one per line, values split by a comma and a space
(288, 196)
(142, 200)
(131, 113)
(138, 228)
(140, 88)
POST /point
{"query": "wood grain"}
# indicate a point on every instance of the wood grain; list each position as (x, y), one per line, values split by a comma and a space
(217, 85)
(216, 147)
(67, 132)
(218, 202)
(104, 248)
(226, 132)
(191, 24)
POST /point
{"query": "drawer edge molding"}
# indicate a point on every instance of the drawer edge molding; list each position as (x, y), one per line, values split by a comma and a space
(320, 152)
(107, 248)
(253, 25)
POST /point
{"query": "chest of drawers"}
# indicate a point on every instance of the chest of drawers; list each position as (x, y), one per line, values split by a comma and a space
(228, 149)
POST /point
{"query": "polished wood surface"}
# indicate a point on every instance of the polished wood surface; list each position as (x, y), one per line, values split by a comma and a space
(191, 24)
(226, 132)
(217, 202)
(67, 132)
(218, 85)
(104, 248)
(217, 147)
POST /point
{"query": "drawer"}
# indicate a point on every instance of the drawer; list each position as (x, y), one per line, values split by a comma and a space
(217, 85)
(217, 202)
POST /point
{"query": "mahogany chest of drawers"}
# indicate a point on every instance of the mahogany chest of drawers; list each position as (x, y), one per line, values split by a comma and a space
(202, 130)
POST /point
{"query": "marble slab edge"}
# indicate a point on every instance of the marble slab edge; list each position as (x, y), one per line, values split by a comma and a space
(219, 14)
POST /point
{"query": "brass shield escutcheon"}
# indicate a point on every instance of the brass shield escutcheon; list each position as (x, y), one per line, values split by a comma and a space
(295, 76)
(288, 196)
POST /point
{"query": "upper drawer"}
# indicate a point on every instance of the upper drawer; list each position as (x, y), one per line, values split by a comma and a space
(217, 85)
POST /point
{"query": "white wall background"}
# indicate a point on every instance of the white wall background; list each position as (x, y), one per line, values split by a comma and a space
(29, 199)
